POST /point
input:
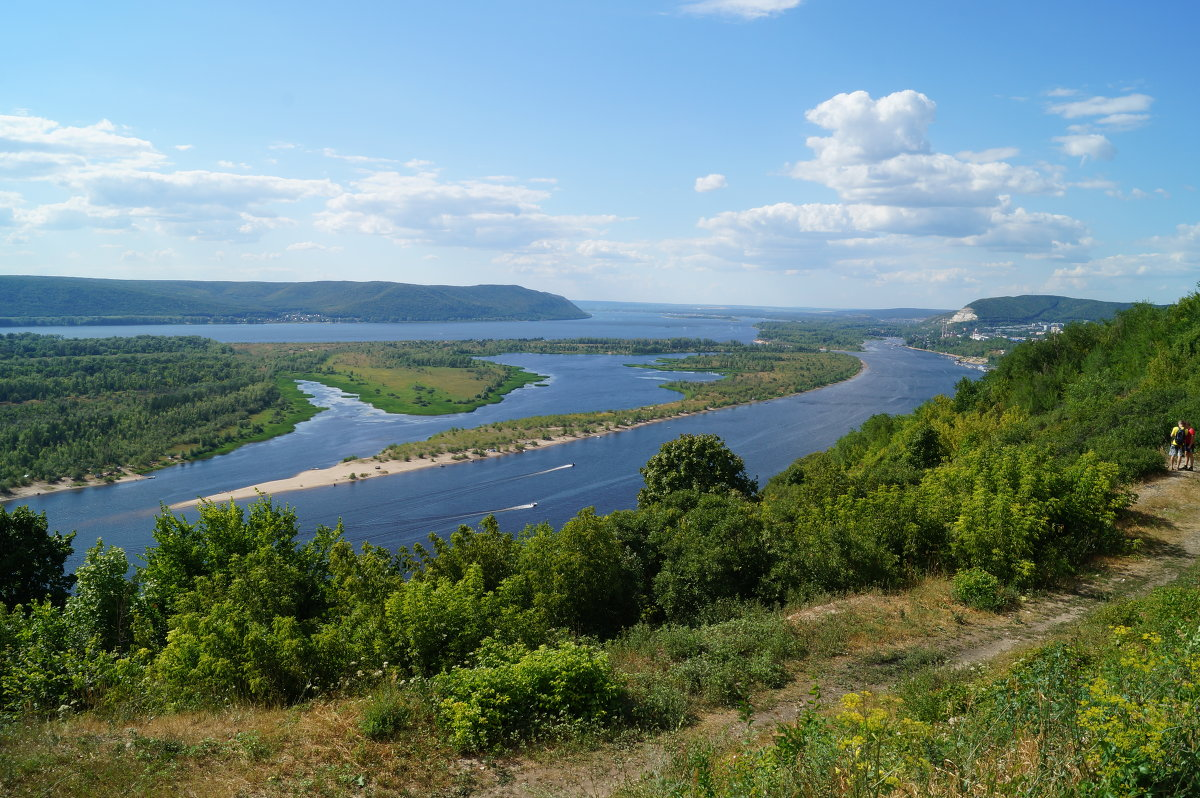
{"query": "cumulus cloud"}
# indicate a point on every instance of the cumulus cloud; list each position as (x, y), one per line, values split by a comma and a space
(741, 9)
(425, 209)
(879, 153)
(902, 202)
(116, 181)
(32, 147)
(1087, 145)
(710, 183)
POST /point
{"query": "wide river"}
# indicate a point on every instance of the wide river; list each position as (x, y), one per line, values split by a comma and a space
(404, 508)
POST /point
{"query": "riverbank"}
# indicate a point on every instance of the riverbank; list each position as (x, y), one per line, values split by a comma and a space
(427, 454)
(39, 488)
(356, 470)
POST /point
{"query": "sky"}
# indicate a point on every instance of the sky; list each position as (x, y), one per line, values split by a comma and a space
(788, 153)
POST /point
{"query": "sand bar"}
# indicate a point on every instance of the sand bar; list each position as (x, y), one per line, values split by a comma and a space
(371, 467)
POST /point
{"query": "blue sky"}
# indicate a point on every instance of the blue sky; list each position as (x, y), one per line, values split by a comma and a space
(824, 153)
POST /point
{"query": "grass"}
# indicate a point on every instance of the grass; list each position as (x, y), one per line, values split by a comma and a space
(429, 390)
(269, 423)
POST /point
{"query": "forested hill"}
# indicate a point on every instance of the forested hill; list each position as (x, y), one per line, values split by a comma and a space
(1031, 308)
(26, 300)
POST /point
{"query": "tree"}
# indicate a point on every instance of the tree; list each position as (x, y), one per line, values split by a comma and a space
(31, 559)
(694, 462)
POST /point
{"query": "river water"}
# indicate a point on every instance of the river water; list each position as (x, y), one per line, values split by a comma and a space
(603, 471)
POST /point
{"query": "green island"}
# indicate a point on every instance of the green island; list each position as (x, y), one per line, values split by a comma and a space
(803, 637)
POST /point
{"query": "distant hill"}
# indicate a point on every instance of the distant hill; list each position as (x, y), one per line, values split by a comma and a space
(1033, 308)
(26, 300)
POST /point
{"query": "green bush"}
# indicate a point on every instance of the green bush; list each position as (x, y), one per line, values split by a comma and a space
(980, 590)
(389, 712)
(514, 694)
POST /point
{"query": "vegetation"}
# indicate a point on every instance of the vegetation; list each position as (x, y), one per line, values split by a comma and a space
(81, 409)
(750, 375)
(1041, 308)
(632, 622)
(31, 559)
(1110, 711)
(86, 300)
(834, 333)
(74, 408)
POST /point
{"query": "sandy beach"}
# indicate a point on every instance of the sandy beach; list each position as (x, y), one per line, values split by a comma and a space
(38, 488)
(371, 467)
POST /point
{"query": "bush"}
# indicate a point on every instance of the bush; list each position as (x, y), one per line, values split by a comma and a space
(389, 712)
(515, 694)
(979, 590)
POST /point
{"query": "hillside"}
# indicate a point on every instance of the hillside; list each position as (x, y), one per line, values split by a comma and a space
(82, 300)
(1032, 308)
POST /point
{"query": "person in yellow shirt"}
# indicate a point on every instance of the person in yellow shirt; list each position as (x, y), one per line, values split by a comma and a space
(1178, 436)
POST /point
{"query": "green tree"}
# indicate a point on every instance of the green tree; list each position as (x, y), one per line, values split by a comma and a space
(102, 605)
(702, 463)
(31, 559)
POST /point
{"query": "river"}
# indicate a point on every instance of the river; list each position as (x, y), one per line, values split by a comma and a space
(401, 509)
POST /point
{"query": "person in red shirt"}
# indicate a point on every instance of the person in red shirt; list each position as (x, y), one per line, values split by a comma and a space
(1189, 441)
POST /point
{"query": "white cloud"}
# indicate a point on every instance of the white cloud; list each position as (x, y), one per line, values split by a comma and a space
(879, 153)
(1103, 106)
(988, 156)
(1035, 234)
(743, 9)
(1087, 145)
(305, 246)
(152, 256)
(423, 208)
(710, 183)
(362, 159)
(866, 130)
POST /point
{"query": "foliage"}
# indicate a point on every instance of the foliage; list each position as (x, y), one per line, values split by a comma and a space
(31, 559)
(513, 693)
(709, 549)
(700, 463)
(233, 603)
(1111, 714)
(101, 609)
(45, 669)
(79, 408)
(980, 590)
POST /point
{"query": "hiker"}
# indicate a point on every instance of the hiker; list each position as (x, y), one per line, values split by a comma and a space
(1178, 435)
(1189, 440)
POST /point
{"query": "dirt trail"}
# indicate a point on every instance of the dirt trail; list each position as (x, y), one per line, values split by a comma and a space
(1166, 516)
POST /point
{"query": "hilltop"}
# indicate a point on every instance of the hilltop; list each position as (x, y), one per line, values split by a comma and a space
(1032, 308)
(32, 300)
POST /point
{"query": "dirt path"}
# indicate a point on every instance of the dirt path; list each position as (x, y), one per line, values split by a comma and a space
(1166, 516)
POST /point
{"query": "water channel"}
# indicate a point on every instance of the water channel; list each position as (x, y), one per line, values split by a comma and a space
(400, 509)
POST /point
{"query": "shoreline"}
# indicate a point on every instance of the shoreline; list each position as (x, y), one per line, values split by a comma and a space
(40, 488)
(371, 466)
(339, 473)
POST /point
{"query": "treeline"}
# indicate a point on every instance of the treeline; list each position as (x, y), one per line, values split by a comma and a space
(992, 348)
(87, 408)
(833, 333)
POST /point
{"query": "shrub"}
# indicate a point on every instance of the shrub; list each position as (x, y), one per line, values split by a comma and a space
(980, 590)
(513, 693)
(389, 712)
